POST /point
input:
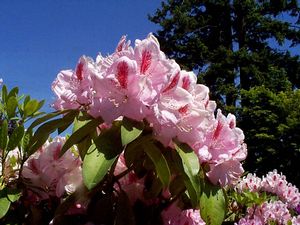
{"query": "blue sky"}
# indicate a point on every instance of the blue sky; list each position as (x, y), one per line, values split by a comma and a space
(40, 38)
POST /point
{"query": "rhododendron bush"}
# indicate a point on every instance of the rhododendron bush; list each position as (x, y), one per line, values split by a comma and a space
(148, 146)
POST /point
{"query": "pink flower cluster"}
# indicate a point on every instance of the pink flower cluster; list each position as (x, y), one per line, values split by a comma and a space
(274, 183)
(140, 82)
(269, 212)
(46, 174)
(173, 215)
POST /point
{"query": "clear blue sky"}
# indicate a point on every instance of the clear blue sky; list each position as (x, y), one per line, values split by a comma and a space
(38, 38)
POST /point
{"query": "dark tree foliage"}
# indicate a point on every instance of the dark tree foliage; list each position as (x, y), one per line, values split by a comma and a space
(240, 50)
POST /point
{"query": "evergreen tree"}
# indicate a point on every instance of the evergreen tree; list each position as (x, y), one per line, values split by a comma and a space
(239, 49)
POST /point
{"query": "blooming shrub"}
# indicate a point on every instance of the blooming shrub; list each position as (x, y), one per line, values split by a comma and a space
(142, 83)
(148, 146)
(272, 199)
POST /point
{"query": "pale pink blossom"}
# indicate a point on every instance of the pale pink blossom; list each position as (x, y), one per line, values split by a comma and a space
(46, 174)
(74, 88)
(225, 173)
(268, 212)
(296, 220)
(173, 215)
(274, 183)
(277, 184)
(223, 149)
(250, 182)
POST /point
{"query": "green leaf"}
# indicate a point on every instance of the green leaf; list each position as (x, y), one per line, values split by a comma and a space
(159, 161)
(11, 106)
(191, 168)
(83, 146)
(13, 92)
(124, 213)
(14, 194)
(42, 133)
(96, 165)
(31, 107)
(69, 119)
(15, 138)
(135, 149)
(80, 134)
(4, 93)
(26, 139)
(46, 117)
(212, 204)
(27, 99)
(130, 130)
(79, 123)
(4, 203)
(3, 134)
(101, 156)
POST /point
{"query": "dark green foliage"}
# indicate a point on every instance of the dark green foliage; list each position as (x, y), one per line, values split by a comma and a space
(240, 51)
(274, 138)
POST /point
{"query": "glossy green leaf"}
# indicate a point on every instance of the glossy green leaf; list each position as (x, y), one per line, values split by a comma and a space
(83, 146)
(159, 161)
(3, 134)
(4, 93)
(11, 106)
(68, 119)
(80, 134)
(14, 194)
(31, 107)
(15, 138)
(191, 168)
(42, 134)
(101, 156)
(26, 139)
(212, 204)
(135, 149)
(4, 203)
(130, 130)
(27, 99)
(46, 117)
(79, 123)
(95, 166)
(13, 92)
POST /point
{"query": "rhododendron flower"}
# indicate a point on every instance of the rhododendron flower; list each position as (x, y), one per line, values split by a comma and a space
(223, 149)
(277, 184)
(46, 174)
(74, 88)
(266, 213)
(251, 182)
(274, 183)
(141, 83)
(224, 173)
(173, 215)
